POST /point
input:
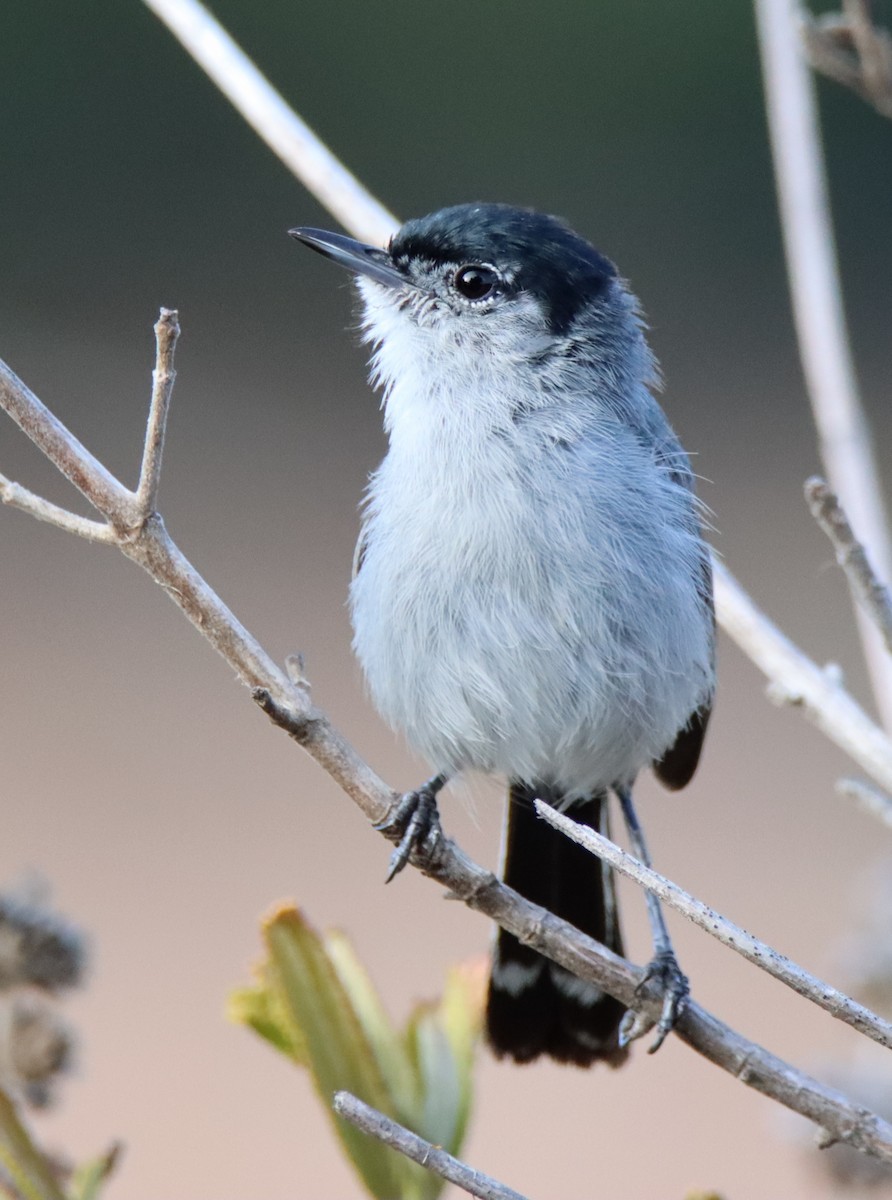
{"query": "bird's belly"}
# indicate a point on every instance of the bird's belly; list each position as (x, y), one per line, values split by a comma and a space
(520, 668)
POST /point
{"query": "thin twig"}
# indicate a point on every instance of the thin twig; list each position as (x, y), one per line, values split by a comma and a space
(799, 681)
(20, 497)
(874, 48)
(271, 118)
(61, 447)
(432, 1158)
(589, 960)
(829, 998)
(167, 330)
(871, 799)
(149, 544)
(850, 49)
(851, 556)
(144, 540)
(817, 304)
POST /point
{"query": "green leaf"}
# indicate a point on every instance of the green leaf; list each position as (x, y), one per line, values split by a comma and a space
(313, 1000)
(260, 1008)
(27, 1167)
(387, 1043)
(89, 1177)
(442, 1039)
(340, 1054)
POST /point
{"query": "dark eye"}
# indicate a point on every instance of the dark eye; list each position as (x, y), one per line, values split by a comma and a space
(475, 283)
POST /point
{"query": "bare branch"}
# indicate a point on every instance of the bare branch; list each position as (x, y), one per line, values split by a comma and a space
(278, 125)
(817, 305)
(797, 680)
(289, 706)
(433, 1158)
(167, 330)
(582, 956)
(146, 542)
(19, 497)
(77, 464)
(874, 49)
(850, 49)
(829, 998)
(851, 556)
(871, 799)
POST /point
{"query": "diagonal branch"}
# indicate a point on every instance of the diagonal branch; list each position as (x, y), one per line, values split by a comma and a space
(590, 960)
(433, 1158)
(77, 464)
(273, 120)
(795, 679)
(825, 996)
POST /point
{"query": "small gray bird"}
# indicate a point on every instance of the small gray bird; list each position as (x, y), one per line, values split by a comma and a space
(532, 594)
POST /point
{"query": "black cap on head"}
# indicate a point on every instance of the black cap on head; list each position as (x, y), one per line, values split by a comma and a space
(544, 256)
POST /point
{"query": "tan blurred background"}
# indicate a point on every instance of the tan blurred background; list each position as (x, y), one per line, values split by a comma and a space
(139, 780)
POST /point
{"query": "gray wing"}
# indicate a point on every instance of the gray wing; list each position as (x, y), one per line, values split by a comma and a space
(677, 766)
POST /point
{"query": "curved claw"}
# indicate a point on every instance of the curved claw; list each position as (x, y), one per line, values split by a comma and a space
(415, 826)
(675, 990)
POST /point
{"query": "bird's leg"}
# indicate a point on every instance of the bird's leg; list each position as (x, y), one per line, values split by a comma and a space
(415, 824)
(664, 965)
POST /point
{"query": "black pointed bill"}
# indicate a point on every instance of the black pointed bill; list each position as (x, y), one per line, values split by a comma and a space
(354, 256)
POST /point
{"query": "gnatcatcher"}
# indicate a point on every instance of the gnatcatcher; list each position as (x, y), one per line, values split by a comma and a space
(532, 595)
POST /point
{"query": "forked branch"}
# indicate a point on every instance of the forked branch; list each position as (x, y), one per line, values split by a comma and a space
(852, 49)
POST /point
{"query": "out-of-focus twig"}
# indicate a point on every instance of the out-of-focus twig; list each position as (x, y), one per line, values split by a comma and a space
(274, 121)
(851, 556)
(433, 1158)
(817, 304)
(796, 680)
(825, 996)
(850, 48)
(871, 799)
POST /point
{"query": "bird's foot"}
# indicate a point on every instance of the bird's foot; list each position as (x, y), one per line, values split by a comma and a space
(414, 826)
(674, 988)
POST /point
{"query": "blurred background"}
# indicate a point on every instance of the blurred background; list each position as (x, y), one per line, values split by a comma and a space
(138, 778)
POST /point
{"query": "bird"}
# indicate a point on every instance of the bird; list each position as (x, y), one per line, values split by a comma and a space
(532, 591)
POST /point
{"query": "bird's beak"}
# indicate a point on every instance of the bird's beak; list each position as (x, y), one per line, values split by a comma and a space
(355, 256)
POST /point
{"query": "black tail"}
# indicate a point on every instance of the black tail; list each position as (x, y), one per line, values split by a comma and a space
(534, 1006)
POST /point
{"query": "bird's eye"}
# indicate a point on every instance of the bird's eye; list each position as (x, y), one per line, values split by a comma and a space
(475, 282)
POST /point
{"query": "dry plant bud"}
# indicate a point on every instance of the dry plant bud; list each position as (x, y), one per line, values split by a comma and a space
(38, 947)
